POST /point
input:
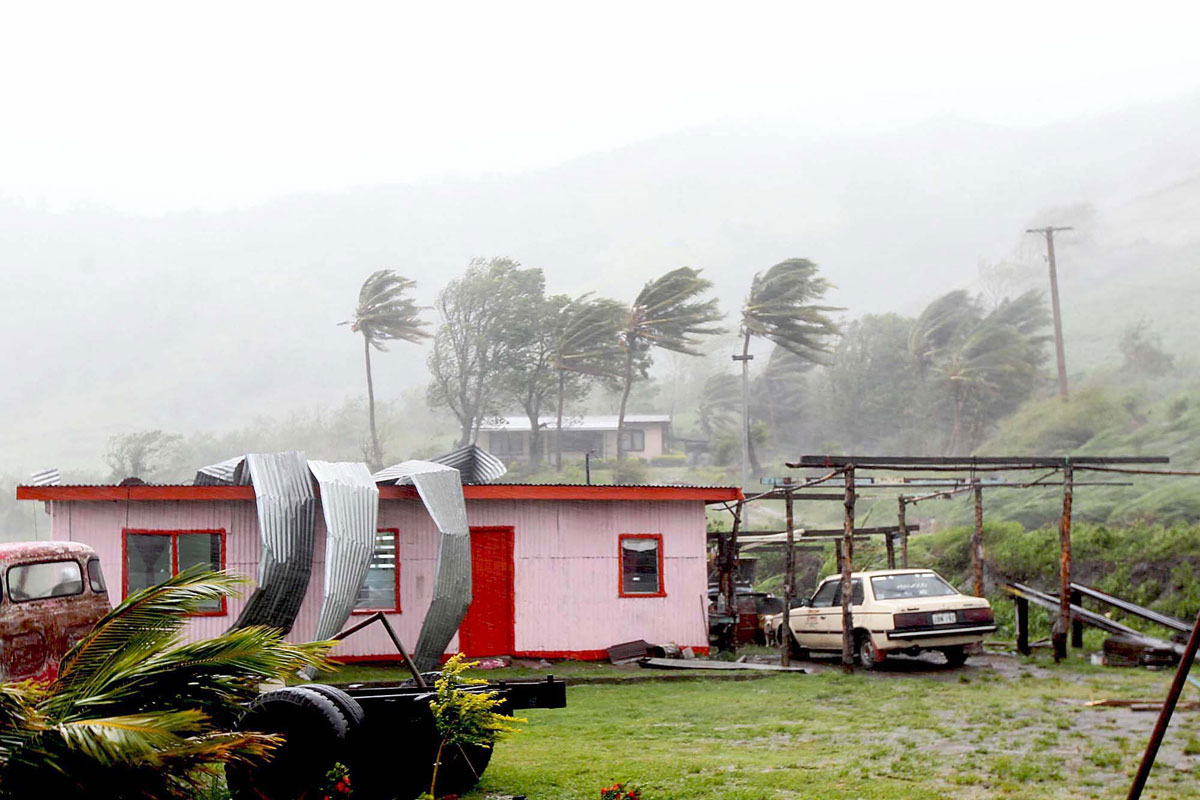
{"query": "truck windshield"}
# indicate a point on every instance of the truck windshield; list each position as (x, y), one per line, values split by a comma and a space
(924, 584)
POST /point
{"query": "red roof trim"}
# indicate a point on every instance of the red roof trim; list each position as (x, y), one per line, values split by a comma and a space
(495, 491)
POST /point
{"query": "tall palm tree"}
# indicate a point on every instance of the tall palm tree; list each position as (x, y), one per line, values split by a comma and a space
(585, 346)
(135, 713)
(781, 308)
(667, 313)
(384, 313)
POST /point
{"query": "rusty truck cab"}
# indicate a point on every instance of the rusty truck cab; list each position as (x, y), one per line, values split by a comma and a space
(51, 594)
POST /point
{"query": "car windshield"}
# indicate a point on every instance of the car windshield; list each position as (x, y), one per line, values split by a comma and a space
(895, 587)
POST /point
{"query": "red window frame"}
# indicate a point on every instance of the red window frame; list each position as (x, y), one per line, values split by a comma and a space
(174, 534)
(662, 583)
(395, 532)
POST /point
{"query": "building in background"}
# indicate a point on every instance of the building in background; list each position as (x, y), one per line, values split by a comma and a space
(646, 436)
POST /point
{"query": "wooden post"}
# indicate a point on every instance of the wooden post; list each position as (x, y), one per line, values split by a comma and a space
(1076, 624)
(789, 583)
(1059, 636)
(1164, 716)
(889, 540)
(977, 540)
(847, 569)
(903, 531)
(727, 563)
(1022, 609)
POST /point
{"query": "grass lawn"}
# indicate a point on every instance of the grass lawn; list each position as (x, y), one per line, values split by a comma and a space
(1001, 727)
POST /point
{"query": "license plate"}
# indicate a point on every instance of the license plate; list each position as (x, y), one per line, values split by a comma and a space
(945, 618)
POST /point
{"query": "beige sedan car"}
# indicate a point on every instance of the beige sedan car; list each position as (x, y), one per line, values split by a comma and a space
(894, 611)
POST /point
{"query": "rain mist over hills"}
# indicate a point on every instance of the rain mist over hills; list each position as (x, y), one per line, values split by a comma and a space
(205, 321)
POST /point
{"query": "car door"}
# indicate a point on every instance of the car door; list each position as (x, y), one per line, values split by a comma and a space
(829, 625)
(808, 622)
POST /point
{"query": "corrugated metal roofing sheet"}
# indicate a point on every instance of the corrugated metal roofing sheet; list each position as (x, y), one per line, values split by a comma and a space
(286, 504)
(350, 504)
(441, 492)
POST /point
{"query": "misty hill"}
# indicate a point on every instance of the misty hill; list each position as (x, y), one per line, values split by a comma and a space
(207, 320)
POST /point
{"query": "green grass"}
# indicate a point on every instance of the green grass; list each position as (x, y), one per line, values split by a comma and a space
(1020, 732)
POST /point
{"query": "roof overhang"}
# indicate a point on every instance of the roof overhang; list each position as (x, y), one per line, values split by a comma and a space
(493, 491)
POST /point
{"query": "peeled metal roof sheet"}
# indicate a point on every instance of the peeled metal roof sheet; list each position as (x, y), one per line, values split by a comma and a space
(286, 504)
(350, 504)
(441, 491)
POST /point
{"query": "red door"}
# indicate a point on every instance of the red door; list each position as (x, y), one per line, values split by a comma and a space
(487, 629)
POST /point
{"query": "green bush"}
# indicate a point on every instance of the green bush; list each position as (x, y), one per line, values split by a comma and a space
(631, 470)
(669, 460)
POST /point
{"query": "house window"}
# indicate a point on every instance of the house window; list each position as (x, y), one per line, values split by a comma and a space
(501, 443)
(641, 565)
(152, 557)
(381, 589)
(583, 442)
(633, 441)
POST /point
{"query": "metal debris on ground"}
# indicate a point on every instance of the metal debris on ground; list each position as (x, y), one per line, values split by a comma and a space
(705, 664)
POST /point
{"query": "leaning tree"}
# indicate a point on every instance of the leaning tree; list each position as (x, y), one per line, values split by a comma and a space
(385, 312)
(782, 308)
(668, 313)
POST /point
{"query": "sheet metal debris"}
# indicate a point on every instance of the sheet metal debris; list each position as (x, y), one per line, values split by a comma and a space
(350, 505)
(720, 666)
(441, 491)
(286, 507)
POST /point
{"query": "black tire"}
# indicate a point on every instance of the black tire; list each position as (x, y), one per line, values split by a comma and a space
(955, 656)
(314, 731)
(865, 653)
(349, 707)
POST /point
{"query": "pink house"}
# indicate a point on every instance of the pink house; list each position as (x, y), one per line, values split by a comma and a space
(559, 571)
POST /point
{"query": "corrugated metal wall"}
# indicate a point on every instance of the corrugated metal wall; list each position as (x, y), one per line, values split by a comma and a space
(566, 558)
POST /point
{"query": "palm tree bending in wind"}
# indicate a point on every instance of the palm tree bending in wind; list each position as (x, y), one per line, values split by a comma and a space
(780, 308)
(668, 314)
(384, 313)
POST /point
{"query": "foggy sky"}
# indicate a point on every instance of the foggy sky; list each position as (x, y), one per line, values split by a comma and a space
(151, 107)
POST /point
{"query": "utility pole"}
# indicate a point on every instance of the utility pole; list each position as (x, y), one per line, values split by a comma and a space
(1049, 232)
(745, 358)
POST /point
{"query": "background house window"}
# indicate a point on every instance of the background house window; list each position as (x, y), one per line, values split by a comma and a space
(582, 442)
(504, 443)
(154, 556)
(381, 589)
(633, 441)
(641, 565)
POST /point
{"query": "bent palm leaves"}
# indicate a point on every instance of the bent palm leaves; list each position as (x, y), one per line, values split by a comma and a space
(667, 313)
(136, 713)
(384, 313)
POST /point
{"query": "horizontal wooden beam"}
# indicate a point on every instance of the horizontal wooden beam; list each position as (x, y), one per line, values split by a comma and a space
(900, 463)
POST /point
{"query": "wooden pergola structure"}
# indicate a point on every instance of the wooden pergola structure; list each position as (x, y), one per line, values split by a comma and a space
(848, 467)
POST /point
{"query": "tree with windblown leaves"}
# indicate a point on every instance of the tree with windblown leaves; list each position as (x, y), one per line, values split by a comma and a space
(782, 308)
(668, 313)
(586, 349)
(385, 313)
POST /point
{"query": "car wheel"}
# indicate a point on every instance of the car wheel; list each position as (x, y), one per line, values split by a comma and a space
(868, 656)
(955, 656)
